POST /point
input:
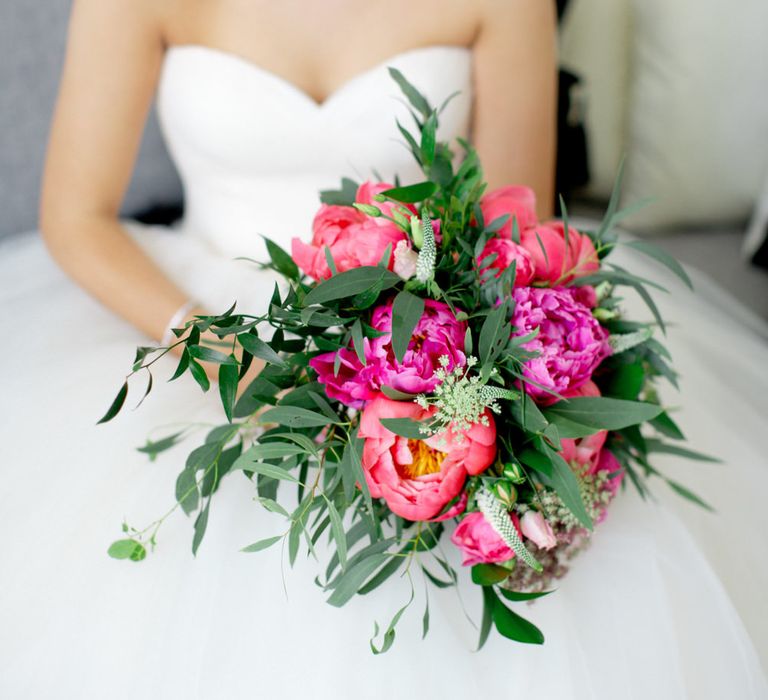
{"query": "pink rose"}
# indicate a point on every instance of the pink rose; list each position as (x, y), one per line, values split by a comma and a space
(507, 252)
(437, 334)
(479, 542)
(536, 528)
(519, 202)
(418, 478)
(571, 343)
(554, 264)
(353, 238)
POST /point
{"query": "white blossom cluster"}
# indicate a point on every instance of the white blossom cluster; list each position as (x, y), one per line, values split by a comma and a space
(461, 399)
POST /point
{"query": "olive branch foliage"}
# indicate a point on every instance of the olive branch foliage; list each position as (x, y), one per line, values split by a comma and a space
(284, 433)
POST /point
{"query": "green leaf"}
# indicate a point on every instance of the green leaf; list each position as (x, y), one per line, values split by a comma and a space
(512, 626)
(662, 256)
(625, 382)
(353, 579)
(117, 404)
(425, 621)
(199, 374)
(666, 426)
(410, 194)
(489, 601)
(488, 574)
(414, 96)
(154, 448)
(357, 340)
(272, 450)
(404, 427)
(389, 634)
(258, 348)
(262, 544)
(201, 525)
(601, 413)
(245, 463)
(559, 473)
(273, 506)
(350, 283)
(341, 197)
(428, 140)
(407, 310)
(200, 352)
(127, 549)
(528, 415)
(182, 366)
(494, 334)
(281, 261)
(187, 493)
(689, 495)
(520, 596)
(665, 448)
(228, 375)
(296, 417)
(337, 529)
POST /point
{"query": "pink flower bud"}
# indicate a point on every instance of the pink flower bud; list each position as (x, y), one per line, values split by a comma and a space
(535, 527)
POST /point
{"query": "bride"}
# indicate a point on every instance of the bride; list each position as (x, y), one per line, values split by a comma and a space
(262, 105)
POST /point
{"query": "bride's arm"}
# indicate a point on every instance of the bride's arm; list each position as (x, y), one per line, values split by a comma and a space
(515, 78)
(114, 55)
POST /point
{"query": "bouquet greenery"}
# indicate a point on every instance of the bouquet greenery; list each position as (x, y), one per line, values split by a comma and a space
(436, 355)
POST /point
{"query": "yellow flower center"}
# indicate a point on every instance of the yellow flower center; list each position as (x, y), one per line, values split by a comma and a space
(426, 460)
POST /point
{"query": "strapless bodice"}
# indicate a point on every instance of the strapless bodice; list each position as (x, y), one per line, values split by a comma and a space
(253, 150)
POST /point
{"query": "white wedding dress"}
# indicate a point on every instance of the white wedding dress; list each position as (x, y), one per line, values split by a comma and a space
(669, 602)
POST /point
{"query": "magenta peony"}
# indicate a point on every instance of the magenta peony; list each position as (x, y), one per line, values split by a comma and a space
(507, 252)
(517, 201)
(418, 478)
(353, 238)
(437, 334)
(571, 342)
(479, 542)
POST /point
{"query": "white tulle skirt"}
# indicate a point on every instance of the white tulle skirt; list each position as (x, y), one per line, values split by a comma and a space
(668, 602)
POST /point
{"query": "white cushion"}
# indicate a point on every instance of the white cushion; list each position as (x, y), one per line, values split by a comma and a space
(698, 117)
(595, 45)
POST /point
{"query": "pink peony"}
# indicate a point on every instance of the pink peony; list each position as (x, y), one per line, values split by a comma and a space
(353, 238)
(554, 264)
(507, 252)
(479, 542)
(536, 528)
(571, 343)
(418, 478)
(518, 202)
(437, 334)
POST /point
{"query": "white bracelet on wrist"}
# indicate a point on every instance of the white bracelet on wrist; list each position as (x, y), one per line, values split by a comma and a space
(176, 320)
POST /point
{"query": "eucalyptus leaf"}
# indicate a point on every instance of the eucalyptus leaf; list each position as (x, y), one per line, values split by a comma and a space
(407, 310)
(410, 194)
(348, 284)
(127, 549)
(258, 348)
(262, 544)
(602, 413)
(117, 404)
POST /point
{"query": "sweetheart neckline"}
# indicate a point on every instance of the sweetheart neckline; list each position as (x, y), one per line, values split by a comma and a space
(236, 59)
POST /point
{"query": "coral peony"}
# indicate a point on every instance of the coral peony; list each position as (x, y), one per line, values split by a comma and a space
(571, 343)
(437, 334)
(519, 202)
(506, 253)
(353, 238)
(554, 264)
(418, 478)
(479, 542)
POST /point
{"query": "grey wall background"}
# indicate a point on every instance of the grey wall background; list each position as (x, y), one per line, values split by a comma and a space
(32, 42)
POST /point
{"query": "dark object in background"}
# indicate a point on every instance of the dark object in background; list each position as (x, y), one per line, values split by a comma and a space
(33, 37)
(572, 170)
(760, 258)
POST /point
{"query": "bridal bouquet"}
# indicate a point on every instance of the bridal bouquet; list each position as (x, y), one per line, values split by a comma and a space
(438, 362)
